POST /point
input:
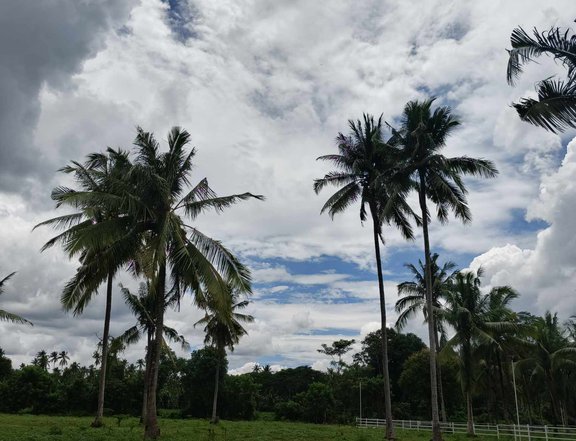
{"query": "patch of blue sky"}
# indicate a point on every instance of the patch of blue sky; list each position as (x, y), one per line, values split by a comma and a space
(180, 18)
(518, 223)
(344, 332)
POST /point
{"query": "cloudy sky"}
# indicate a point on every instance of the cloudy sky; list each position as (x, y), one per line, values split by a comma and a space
(264, 88)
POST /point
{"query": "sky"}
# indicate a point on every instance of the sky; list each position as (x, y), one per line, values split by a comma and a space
(264, 88)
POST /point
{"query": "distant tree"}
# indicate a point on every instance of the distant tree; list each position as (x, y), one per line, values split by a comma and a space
(555, 107)
(413, 300)
(338, 349)
(469, 312)
(5, 315)
(63, 358)
(143, 308)
(54, 357)
(223, 329)
(42, 360)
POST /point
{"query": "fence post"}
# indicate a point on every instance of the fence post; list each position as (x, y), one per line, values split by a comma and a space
(546, 432)
(528, 428)
(452, 424)
(498, 431)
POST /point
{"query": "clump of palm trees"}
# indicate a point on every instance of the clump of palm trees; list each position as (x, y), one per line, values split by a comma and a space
(135, 211)
(380, 174)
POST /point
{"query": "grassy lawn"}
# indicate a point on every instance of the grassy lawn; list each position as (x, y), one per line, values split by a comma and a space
(43, 428)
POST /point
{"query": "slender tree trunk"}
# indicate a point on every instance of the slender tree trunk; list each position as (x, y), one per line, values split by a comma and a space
(470, 424)
(151, 428)
(215, 400)
(553, 398)
(440, 386)
(436, 433)
(98, 420)
(505, 406)
(146, 375)
(387, 391)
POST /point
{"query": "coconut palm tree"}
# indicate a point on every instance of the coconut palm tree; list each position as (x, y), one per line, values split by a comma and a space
(8, 316)
(422, 135)
(63, 358)
(158, 201)
(555, 108)
(550, 356)
(142, 306)
(223, 329)
(363, 166)
(42, 360)
(97, 233)
(54, 357)
(470, 313)
(413, 301)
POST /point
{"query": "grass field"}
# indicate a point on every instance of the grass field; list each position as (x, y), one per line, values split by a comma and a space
(44, 428)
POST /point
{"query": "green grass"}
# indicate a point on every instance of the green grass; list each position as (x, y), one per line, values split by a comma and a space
(44, 428)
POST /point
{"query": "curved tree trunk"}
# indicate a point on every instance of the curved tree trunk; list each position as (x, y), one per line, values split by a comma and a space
(387, 392)
(151, 428)
(98, 420)
(436, 433)
(214, 419)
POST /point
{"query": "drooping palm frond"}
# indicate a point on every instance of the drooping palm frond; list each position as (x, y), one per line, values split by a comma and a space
(6, 316)
(555, 107)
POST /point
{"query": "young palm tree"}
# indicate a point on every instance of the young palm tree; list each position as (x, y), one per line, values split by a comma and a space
(550, 354)
(223, 329)
(93, 233)
(422, 135)
(8, 316)
(158, 201)
(364, 164)
(142, 306)
(470, 313)
(413, 301)
(555, 108)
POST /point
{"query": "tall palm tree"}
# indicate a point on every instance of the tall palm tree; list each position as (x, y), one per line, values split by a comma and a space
(363, 166)
(413, 300)
(555, 108)
(8, 316)
(142, 306)
(223, 329)
(158, 199)
(550, 354)
(91, 233)
(422, 135)
(470, 313)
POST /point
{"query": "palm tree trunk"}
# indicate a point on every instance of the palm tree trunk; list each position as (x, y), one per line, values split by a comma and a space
(98, 420)
(470, 424)
(387, 399)
(436, 433)
(215, 400)
(440, 387)
(151, 428)
(146, 375)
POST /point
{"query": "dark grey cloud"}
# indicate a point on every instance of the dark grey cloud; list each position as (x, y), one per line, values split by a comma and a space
(42, 42)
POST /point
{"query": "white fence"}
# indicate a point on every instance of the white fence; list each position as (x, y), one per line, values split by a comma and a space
(518, 432)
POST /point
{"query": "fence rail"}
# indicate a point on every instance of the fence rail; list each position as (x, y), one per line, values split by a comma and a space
(518, 432)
